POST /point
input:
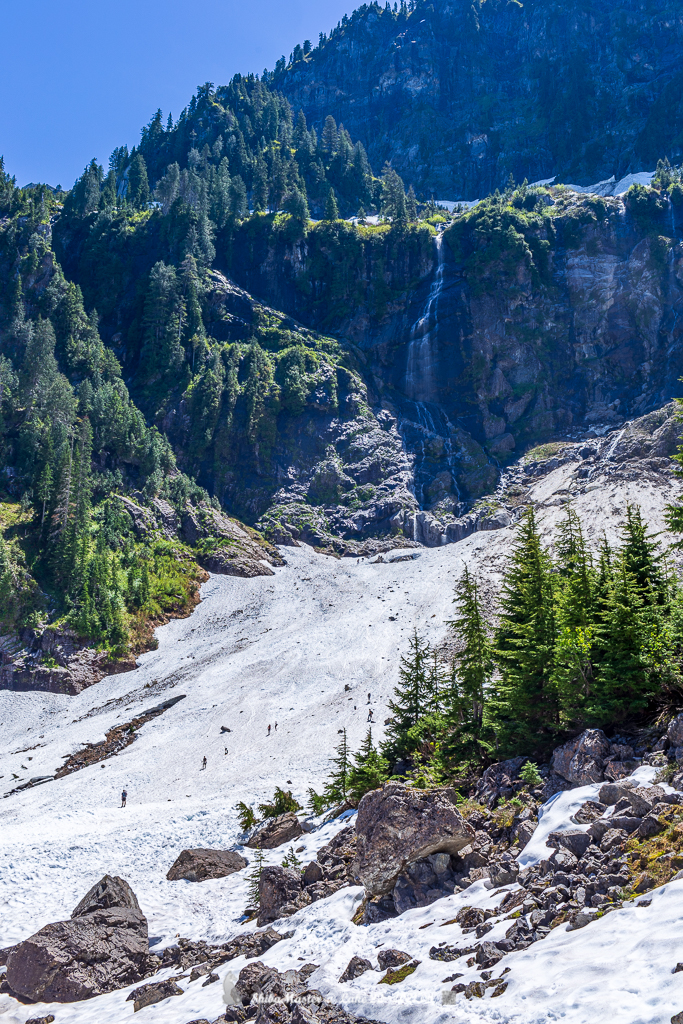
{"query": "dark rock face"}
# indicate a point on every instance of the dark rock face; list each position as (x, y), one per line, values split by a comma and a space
(103, 947)
(197, 865)
(146, 995)
(108, 892)
(355, 967)
(279, 889)
(403, 85)
(427, 822)
(582, 760)
(72, 960)
(277, 831)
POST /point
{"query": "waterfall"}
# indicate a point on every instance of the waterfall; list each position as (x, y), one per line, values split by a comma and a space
(420, 371)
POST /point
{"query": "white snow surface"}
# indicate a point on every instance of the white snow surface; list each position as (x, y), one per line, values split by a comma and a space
(282, 648)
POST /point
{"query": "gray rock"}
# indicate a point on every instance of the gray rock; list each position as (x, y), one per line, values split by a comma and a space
(674, 733)
(277, 831)
(612, 839)
(427, 821)
(392, 958)
(146, 995)
(313, 873)
(498, 780)
(108, 892)
(625, 822)
(97, 952)
(577, 842)
(198, 865)
(355, 967)
(278, 887)
(611, 793)
(582, 759)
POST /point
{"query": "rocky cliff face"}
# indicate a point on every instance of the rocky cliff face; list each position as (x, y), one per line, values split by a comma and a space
(458, 96)
(556, 317)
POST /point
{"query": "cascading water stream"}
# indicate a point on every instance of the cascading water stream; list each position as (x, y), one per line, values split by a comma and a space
(420, 370)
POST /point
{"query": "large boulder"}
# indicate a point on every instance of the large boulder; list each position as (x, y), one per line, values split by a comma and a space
(103, 947)
(397, 825)
(110, 891)
(582, 760)
(498, 780)
(198, 865)
(279, 888)
(94, 953)
(283, 829)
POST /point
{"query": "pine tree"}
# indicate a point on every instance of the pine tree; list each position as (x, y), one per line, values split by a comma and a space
(576, 610)
(642, 558)
(412, 698)
(624, 685)
(254, 877)
(331, 208)
(411, 204)
(330, 135)
(138, 184)
(524, 708)
(474, 660)
(336, 787)
(296, 205)
(368, 771)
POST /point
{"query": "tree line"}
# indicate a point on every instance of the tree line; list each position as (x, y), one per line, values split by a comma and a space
(581, 639)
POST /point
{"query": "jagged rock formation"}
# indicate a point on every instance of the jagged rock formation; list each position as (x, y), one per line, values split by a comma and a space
(459, 96)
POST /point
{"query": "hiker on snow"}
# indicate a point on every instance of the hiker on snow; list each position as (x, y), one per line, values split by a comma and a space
(123, 798)
(204, 762)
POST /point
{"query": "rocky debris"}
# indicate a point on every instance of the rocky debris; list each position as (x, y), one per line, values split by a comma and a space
(42, 1020)
(187, 953)
(392, 958)
(117, 739)
(108, 892)
(426, 821)
(338, 856)
(279, 890)
(582, 759)
(102, 948)
(146, 995)
(72, 665)
(283, 998)
(198, 865)
(355, 967)
(277, 831)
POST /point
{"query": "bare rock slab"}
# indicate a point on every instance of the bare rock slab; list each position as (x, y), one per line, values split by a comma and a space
(198, 865)
(283, 829)
(397, 825)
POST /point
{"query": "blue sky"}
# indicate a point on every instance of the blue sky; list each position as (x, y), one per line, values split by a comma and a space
(78, 78)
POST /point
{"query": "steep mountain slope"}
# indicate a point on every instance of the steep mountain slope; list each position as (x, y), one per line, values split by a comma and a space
(283, 649)
(458, 96)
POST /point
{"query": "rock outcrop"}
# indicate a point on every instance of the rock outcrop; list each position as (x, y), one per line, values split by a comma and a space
(198, 865)
(103, 947)
(397, 825)
(276, 832)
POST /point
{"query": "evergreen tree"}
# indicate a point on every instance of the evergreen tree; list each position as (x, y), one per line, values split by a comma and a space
(411, 204)
(412, 699)
(642, 558)
(331, 208)
(336, 787)
(330, 135)
(296, 205)
(576, 611)
(474, 660)
(524, 708)
(138, 184)
(368, 771)
(254, 878)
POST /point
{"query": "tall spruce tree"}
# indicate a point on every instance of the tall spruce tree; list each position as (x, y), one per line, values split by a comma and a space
(336, 787)
(412, 698)
(474, 660)
(523, 710)
(368, 771)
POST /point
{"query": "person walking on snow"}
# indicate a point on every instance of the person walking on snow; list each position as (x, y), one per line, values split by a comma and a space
(204, 762)
(269, 730)
(370, 715)
(275, 727)
(124, 796)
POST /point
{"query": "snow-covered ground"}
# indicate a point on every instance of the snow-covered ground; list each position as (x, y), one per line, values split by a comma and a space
(282, 649)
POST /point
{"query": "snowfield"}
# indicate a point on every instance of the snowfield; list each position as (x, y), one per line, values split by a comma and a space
(282, 649)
